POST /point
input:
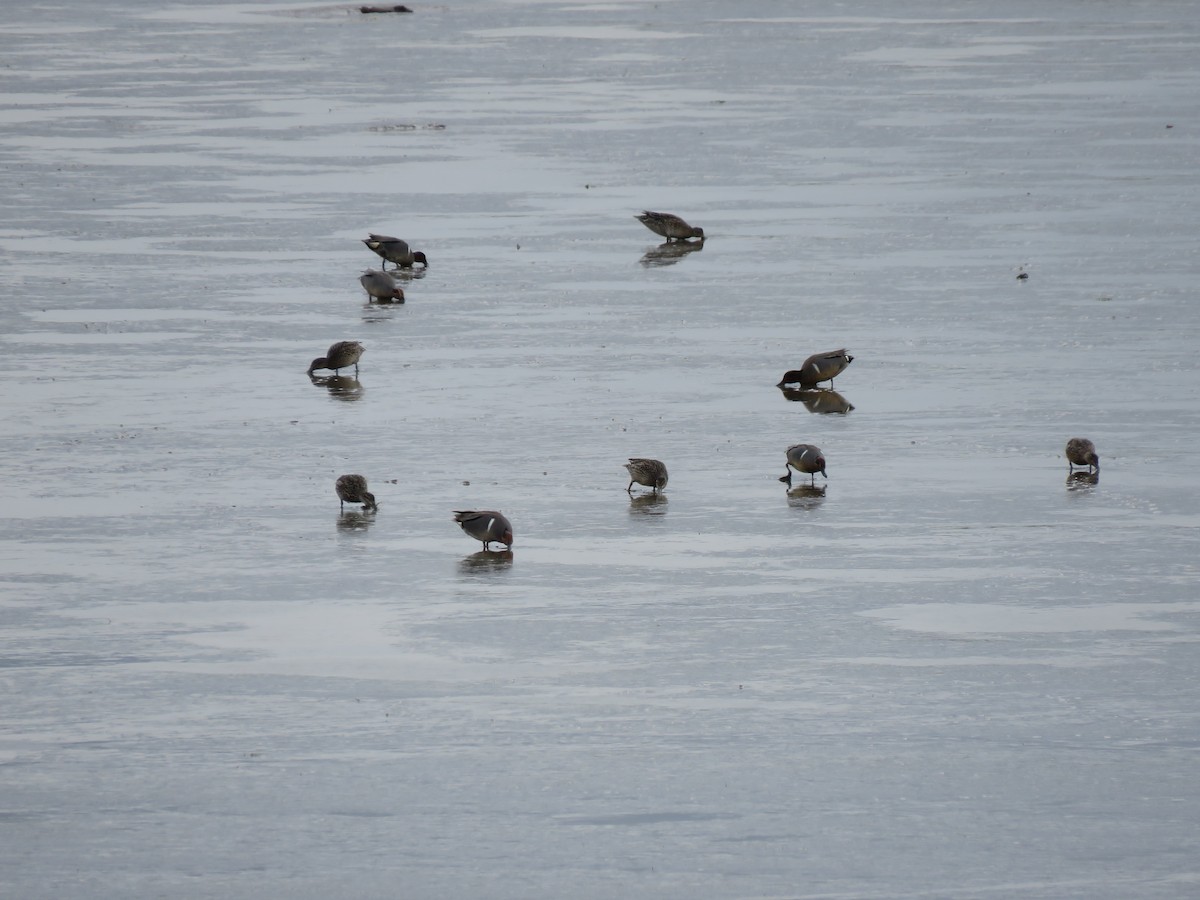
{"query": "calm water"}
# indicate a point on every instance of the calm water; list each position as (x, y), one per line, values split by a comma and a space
(952, 673)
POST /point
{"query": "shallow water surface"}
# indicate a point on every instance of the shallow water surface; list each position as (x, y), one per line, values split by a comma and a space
(948, 670)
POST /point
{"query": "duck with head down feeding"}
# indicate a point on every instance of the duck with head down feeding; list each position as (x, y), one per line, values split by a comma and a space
(817, 368)
(648, 472)
(394, 250)
(353, 489)
(669, 226)
(1082, 452)
(806, 459)
(339, 356)
(381, 286)
(485, 525)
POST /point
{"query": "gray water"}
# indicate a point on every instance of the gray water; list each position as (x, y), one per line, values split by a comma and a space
(953, 673)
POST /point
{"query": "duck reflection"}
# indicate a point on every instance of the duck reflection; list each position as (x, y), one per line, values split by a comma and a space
(806, 496)
(486, 561)
(648, 505)
(670, 253)
(1077, 480)
(818, 400)
(343, 387)
(353, 520)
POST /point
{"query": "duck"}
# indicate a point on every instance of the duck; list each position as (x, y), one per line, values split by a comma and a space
(353, 489)
(1082, 452)
(806, 459)
(381, 286)
(669, 226)
(339, 356)
(486, 525)
(650, 472)
(395, 250)
(817, 368)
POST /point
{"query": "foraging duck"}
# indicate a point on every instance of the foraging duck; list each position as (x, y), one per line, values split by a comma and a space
(817, 368)
(649, 472)
(395, 250)
(485, 525)
(380, 286)
(353, 489)
(341, 355)
(806, 459)
(1082, 452)
(669, 226)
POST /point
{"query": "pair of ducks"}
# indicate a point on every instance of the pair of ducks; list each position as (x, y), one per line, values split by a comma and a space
(487, 525)
(809, 460)
(378, 284)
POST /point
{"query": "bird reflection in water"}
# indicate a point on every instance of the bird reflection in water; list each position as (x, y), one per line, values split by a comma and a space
(648, 505)
(486, 561)
(342, 387)
(1077, 480)
(670, 253)
(353, 520)
(818, 400)
(806, 496)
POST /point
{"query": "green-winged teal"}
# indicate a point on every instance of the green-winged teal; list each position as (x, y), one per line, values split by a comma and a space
(353, 489)
(806, 459)
(648, 472)
(395, 250)
(817, 368)
(669, 226)
(381, 286)
(339, 356)
(485, 525)
(1082, 452)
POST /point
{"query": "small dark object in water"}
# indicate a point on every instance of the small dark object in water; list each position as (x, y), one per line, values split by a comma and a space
(383, 9)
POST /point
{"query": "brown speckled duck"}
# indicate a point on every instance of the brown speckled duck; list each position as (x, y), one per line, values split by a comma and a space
(381, 286)
(669, 226)
(353, 489)
(395, 250)
(341, 355)
(817, 368)
(1082, 452)
(485, 525)
(807, 459)
(648, 472)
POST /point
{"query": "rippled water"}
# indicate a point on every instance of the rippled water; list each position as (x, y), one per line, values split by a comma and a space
(947, 671)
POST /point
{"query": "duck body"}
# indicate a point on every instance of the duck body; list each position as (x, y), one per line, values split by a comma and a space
(669, 226)
(353, 489)
(381, 286)
(1082, 452)
(806, 459)
(339, 356)
(648, 472)
(394, 250)
(817, 368)
(485, 525)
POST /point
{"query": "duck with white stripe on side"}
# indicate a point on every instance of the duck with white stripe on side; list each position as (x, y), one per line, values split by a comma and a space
(486, 525)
